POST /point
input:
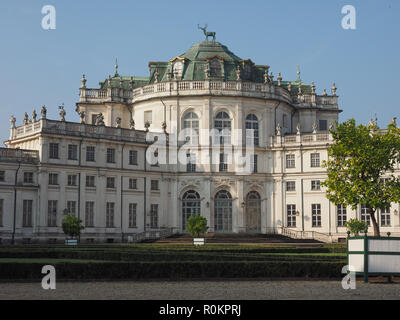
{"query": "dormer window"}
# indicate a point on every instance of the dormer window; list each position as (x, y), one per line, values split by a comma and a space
(247, 70)
(177, 69)
(215, 68)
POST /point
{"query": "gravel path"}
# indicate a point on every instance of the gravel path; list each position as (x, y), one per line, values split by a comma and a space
(201, 290)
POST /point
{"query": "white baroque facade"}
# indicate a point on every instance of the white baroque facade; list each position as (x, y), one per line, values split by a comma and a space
(97, 169)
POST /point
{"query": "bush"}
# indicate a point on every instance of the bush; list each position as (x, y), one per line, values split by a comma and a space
(196, 225)
(355, 226)
(72, 226)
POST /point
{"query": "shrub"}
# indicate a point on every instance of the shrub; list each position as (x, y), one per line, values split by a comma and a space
(355, 226)
(72, 226)
(196, 225)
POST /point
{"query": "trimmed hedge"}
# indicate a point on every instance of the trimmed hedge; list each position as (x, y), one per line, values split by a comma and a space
(173, 270)
(168, 256)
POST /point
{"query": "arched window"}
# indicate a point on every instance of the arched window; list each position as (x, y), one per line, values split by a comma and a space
(191, 123)
(253, 212)
(222, 123)
(215, 68)
(190, 206)
(252, 124)
(223, 211)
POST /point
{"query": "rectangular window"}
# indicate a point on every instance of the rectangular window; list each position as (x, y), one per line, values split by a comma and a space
(27, 213)
(191, 163)
(132, 215)
(110, 182)
(315, 160)
(323, 125)
(385, 217)
(223, 166)
(341, 215)
(53, 151)
(110, 155)
(52, 213)
(133, 154)
(72, 152)
(2, 176)
(71, 207)
(72, 180)
(90, 181)
(291, 215)
(53, 179)
(255, 163)
(132, 183)
(28, 177)
(154, 216)
(365, 216)
(316, 215)
(90, 153)
(110, 214)
(290, 161)
(315, 185)
(290, 185)
(1, 211)
(154, 185)
(89, 214)
(148, 117)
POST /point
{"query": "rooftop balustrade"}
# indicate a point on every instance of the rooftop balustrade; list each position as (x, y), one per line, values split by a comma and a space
(206, 87)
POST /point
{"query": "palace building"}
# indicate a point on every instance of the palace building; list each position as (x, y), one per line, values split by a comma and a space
(97, 168)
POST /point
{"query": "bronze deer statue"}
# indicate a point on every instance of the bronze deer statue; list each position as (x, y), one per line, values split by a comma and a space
(207, 34)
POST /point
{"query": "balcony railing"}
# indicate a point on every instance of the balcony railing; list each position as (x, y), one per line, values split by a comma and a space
(77, 129)
(189, 88)
(19, 155)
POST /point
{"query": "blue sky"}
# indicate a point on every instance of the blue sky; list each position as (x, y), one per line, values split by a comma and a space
(44, 67)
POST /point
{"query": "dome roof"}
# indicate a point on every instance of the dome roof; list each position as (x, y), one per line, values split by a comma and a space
(207, 49)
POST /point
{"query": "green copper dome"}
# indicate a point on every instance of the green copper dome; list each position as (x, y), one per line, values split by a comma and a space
(206, 49)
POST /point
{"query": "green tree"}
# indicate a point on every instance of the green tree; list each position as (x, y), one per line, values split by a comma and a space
(355, 226)
(72, 226)
(196, 225)
(358, 160)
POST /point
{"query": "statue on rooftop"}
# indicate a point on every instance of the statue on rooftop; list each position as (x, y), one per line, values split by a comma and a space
(82, 116)
(266, 77)
(132, 124)
(314, 128)
(62, 113)
(206, 33)
(118, 122)
(147, 125)
(13, 120)
(34, 116)
(26, 118)
(238, 73)
(278, 129)
(156, 74)
(43, 112)
(100, 120)
(394, 121)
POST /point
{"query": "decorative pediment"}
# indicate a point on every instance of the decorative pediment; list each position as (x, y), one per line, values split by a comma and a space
(214, 57)
(178, 58)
